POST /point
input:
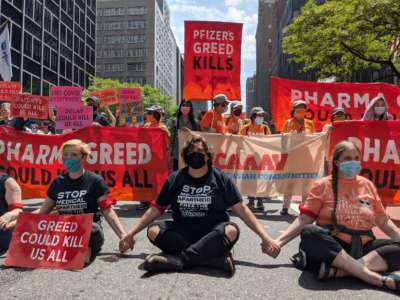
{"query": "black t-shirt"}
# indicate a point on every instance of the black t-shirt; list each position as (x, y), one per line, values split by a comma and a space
(78, 196)
(99, 118)
(3, 201)
(199, 201)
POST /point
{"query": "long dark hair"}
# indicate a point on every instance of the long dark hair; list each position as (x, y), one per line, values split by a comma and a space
(337, 153)
(192, 120)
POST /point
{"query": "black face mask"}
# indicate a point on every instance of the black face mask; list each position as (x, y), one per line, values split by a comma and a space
(196, 160)
(237, 113)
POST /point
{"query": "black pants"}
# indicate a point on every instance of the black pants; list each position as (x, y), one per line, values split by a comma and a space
(5, 239)
(96, 239)
(194, 245)
(320, 246)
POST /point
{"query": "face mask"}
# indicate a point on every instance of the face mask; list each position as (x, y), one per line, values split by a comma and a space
(237, 113)
(150, 118)
(185, 110)
(350, 168)
(259, 120)
(299, 114)
(379, 110)
(196, 160)
(72, 165)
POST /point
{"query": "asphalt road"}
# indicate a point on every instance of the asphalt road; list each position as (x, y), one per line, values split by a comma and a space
(111, 276)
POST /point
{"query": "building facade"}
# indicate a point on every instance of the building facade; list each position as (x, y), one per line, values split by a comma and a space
(250, 94)
(52, 42)
(135, 43)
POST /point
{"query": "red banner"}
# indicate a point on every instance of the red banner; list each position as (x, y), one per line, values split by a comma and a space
(322, 98)
(133, 162)
(50, 241)
(379, 142)
(212, 60)
(107, 97)
(130, 95)
(28, 106)
(8, 89)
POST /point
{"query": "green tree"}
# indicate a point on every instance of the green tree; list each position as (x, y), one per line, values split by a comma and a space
(338, 37)
(150, 95)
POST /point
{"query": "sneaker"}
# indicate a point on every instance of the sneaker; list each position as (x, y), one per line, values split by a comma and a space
(162, 262)
(260, 204)
(251, 203)
(223, 263)
(284, 211)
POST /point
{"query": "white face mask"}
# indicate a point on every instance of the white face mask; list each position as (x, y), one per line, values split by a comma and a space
(259, 120)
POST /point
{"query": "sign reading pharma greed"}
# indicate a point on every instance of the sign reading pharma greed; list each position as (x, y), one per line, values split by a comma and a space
(212, 60)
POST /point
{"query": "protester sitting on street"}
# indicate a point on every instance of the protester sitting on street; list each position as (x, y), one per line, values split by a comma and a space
(79, 192)
(10, 208)
(213, 120)
(5, 114)
(345, 207)
(200, 233)
(184, 120)
(233, 121)
(98, 118)
(256, 128)
(296, 124)
(377, 110)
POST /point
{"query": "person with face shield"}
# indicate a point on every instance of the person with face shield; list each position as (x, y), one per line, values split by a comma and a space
(213, 120)
(377, 110)
(79, 191)
(345, 207)
(233, 122)
(200, 233)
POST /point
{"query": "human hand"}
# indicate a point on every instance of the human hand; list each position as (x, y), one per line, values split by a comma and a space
(270, 247)
(127, 242)
(185, 129)
(3, 223)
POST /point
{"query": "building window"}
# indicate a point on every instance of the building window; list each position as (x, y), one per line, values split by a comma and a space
(82, 19)
(54, 60)
(47, 20)
(99, 12)
(46, 56)
(121, 11)
(62, 66)
(27, 44)
(134, 39)
(37, 50)
(136, 67)
(136, 24)
(110, 26)
(137, 11)
(54, 26)
(137, 52)
(35, 86)
(38, 12)
(26, 83)
(114, 67)
(29, 8)
(16, 37)
(140, 80)
(69, 38)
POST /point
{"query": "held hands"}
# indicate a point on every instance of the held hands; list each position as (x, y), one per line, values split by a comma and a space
(270, 247)
(127, 242)
(4, 222)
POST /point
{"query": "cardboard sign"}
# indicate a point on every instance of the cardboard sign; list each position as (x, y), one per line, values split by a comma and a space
(29, 106)
(212, 60)
(50, 241)
(107, 97)
(74, 118)
(66, 96)
(8, 89)
(130, 95)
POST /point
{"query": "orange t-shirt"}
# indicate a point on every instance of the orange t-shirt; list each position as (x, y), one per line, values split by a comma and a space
(358, 208)
(292, 126)
(215, 120)
(232, 124)
(254, 129)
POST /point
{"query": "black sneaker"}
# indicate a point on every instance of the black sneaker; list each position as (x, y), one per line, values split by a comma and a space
(251, 203)
(162, 262)
(260, 204)
(223, 263)
(284, 211)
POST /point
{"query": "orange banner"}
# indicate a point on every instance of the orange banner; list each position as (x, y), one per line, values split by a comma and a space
(133, 162)
(8, 89)
(107, 97)
(212, 60)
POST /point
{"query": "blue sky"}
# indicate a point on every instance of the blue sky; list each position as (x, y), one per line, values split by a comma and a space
(241, 11)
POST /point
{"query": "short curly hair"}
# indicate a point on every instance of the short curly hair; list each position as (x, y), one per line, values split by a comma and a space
(189, 148)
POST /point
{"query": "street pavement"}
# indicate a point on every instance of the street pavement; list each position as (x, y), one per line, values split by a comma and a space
(112, 276)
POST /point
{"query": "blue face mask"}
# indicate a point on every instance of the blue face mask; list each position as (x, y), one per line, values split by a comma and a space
(350, 168)
(379, 111)
(72, 165)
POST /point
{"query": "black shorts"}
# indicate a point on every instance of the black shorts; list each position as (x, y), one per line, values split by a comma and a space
(320, 246)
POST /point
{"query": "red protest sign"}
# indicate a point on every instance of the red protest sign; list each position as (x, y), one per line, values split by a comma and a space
(380, 153)
(323, 97)
(130, 95)
(212, 60)
(29, 106)
(107, 97)
(8, 89)
(50, 241)
(66, 96)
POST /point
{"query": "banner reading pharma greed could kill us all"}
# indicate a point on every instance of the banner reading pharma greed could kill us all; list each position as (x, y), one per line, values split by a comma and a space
(268, 166)
(322, 98)
(133, 162)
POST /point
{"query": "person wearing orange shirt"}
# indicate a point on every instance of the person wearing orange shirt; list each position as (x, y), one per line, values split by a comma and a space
(345, 207)
(213, 120)
(256, 128)
(233, 122)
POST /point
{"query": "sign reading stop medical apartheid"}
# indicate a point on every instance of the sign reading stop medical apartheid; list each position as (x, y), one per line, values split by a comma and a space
(379, 142)
(50, 241)
(212, 60)
(268, 166)
(133, 162)
(130, 95)
(28, 106)
(74, 117)
(322, 98)
(107, 97)
(66, 96)
(8, 89)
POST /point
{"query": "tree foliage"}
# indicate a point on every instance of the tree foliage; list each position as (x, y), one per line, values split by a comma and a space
(338, 37)
(150, 95)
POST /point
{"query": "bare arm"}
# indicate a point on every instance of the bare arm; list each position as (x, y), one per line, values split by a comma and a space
(294, 229)
(13, 196)
(46, 207)
(110, 115)
(389, 228)
(112, 219)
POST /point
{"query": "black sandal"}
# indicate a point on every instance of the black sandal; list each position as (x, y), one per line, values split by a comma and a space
(396, 279)
(325, 271)
(299, 260)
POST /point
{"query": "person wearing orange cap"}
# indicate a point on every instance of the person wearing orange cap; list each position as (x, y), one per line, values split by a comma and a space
(213, 120)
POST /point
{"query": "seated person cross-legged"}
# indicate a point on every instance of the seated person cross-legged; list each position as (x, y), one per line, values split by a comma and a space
(345, 208)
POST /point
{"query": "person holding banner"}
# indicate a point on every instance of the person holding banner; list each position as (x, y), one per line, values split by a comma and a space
(233, 122)
(5, 113)
(10, 208)
(338, 114)
(213, 120)
(377, 110)
(98, 118)
(345, 207)
(200, 233)
(79, 192)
